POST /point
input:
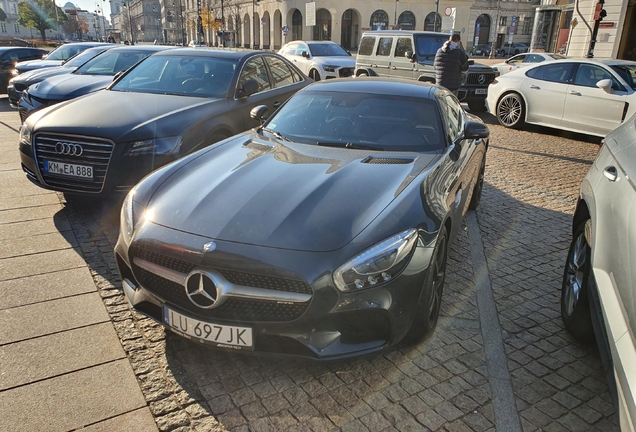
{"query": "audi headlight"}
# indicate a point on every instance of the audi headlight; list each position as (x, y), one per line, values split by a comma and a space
(131, 213)
(160, 146)
(329, 68)
(378, 264)
(25, 135)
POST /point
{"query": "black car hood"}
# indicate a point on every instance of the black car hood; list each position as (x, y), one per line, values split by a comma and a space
(291, 196)
(119, 116)
(37, 64)
(69, 86)
(38, 75)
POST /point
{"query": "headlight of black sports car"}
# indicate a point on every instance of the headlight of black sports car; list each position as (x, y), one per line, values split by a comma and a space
(131, 214)
(378, 264)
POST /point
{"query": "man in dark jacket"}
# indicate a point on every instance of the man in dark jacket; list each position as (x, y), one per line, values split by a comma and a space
(450, 61)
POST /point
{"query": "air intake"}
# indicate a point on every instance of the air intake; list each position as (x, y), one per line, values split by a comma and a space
(387, 161)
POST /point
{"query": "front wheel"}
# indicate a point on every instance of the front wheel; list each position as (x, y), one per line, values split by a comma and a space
(479, 187)
(477, 105)
(511, 111)
(314, 75)
(363, 74)
(575, 307)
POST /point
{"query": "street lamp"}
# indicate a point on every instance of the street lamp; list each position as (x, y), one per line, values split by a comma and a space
(132, 34)
(436, 15)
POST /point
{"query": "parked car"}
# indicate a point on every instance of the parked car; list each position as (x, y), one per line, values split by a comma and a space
(323, 233)
(410, 55)
(481, 50)
(524, 60)
(597, 296)
(169, 105)
(94, 75)
(196, 44)
(56, 57)
(21, 82)
(10, 57)
(508, 49)
(578, 95)
(320, 60)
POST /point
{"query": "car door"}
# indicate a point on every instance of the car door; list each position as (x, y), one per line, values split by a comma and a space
(285, 80)
(255, 69)
(589, 108)
(544, 91)
(401, 66)
(303, 63)
(382, 60)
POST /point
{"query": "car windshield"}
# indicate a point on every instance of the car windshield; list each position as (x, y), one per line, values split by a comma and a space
(183, 75)
(80, 58)
(627, 72)
(427, 46)
(65, 52)
(327, 50)
(359, 120)
(112, 62)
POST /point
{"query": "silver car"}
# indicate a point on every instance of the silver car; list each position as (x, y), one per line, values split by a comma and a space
(597, 295)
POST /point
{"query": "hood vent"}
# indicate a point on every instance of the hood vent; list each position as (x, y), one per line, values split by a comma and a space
(387, 161)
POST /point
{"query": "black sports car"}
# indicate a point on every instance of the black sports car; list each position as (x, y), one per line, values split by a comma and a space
(21, 82)
(169, 105)
(94, 75)
(323, 233)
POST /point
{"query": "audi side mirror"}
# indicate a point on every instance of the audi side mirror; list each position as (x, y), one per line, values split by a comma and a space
(304, 54)
(259, 113)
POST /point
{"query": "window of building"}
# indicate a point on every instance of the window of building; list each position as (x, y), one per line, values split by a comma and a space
(3, 27)
(503, 20)
(527, 26)
(17, 27)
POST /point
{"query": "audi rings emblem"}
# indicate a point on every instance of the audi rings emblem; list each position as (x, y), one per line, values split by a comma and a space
(201, 290)
(481, 79)
(68, 149)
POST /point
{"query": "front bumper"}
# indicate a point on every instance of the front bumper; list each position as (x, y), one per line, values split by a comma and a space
(14, 96)
(342, 72)
(466, 94)
(30, 104)
(330, 325)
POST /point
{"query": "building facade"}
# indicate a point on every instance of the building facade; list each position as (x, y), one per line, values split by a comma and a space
(138, 20)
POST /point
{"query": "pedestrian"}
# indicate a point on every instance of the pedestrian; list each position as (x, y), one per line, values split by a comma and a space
(450, 62)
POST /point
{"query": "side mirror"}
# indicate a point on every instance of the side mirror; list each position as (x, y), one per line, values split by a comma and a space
(409, 55)
(259, 113)
(605, 85)
(349, 52)
(304, 54)
(471, 62)
(248, 88)
(475, 130)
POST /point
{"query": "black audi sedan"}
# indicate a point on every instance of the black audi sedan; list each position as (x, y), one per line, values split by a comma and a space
(96, 74)
(323, 233)
(169, 105)
(10, 57)
(21, 82)
(56, 57)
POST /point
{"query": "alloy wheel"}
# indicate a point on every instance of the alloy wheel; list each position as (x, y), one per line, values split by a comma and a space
(510, 110)
(575, 273)
(437, 285)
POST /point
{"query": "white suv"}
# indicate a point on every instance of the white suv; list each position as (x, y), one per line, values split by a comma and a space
(320, 59)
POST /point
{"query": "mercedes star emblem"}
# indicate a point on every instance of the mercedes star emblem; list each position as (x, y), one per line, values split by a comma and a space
(201, 290)
(481, 79)
(209, 247)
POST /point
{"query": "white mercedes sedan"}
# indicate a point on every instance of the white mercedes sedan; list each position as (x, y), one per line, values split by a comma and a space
(579, 95)
(320, 59)
(525, 60)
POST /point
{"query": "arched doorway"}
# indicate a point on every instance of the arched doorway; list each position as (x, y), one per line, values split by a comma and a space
(379, 20)
(257, 30)
(322, 29)
(406, 21)
(297, 25)
(482, 30)
(349, 32)
(266, 30)
(246, 31)
(278, 29)
(433, 22)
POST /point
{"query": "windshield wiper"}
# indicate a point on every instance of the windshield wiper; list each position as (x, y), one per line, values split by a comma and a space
(276, 134)
(348, 145)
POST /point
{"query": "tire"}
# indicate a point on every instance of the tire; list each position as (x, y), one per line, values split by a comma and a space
(479, 187)
(575, 307)
(477, 105)
(428, 307)
(511, 111)
(363, 74)
(314, 75)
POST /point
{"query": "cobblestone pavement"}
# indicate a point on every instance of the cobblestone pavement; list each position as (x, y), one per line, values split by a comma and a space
(439, 384)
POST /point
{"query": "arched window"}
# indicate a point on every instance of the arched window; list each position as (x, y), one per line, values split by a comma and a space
(297, 25)
(379, 20)
(433, 22)
(406, 21)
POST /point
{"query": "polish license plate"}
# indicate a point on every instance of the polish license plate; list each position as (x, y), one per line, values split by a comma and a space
(223, 336)
(70, 170)
(481, 91)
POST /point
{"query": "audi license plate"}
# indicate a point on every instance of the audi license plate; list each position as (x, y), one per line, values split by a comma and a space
(481, 91)
(71, 170)
(223, 336)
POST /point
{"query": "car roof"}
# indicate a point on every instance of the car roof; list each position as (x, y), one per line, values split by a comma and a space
(4, 49)
(219, 53)
(404, 32)
(374, 85)
(140, 48)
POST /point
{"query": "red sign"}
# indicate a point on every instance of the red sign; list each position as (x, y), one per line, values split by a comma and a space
(597, 11)
(606, 24)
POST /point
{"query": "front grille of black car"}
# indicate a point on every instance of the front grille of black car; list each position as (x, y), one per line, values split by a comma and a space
(345, 72)
(233, 309)
(473, 78)
(232, 276)
(96, 153)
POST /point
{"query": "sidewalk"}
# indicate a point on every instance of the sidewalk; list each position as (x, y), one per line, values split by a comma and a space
(62, 366)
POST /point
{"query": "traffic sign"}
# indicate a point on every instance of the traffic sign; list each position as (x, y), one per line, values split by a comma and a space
(514, 18)
(286, 29)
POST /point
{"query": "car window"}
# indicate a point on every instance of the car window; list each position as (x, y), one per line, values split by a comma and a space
(554, 72)
(627, 72)
(402, 46)
(255, 69)
(517, 59)
(323, 49)
(302, 47)
(455, 118)
(11, 55)
(384, 46)
(112, 62)
(366, 46)
(81, 58)
(25, 54)
(290, 49)
(65, 52)
(533, 58)
(427, 46)
(281, 74)
(588, 75)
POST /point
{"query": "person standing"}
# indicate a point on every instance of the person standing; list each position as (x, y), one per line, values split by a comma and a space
(450, 62)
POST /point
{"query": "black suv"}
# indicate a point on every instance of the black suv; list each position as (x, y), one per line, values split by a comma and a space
(410, 54)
